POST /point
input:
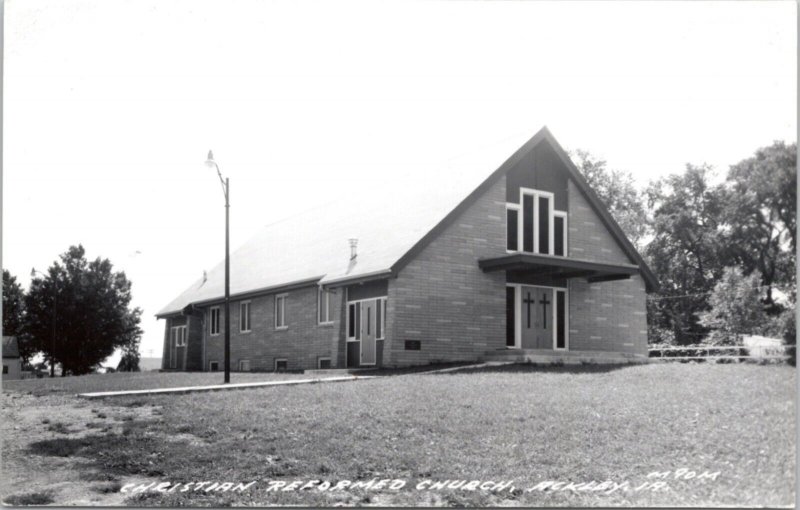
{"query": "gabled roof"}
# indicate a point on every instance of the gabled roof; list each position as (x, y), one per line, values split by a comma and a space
(391, 226)
(10, 347)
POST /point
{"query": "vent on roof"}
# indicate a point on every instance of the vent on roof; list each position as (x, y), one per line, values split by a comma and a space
(353, 248)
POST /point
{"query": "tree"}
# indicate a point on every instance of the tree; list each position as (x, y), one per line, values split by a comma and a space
(13, 305)
(761, 215)
(736, 307)
(92, 312)
(618, 192)
(130, 358)
(14, 316)
(685, 250)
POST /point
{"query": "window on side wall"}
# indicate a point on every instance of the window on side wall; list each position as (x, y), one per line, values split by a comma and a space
(324, 307)
(380, 319)
(244, 317)
(213, 322)
(179, 334)
(280, 312)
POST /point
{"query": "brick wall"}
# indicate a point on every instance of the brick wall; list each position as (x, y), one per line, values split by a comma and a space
(607, 316)
(301, 344)
(194, 343)
(588, 237)
(443, 299)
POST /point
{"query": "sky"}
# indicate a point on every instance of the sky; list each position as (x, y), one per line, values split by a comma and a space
(110, 107)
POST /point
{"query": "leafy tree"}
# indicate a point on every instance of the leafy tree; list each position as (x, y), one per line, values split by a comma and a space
(130, 358)
(13, 305)
(685, 249)
(789, 334)
(92, 307)
(761, 215)
(618, 192)
(736, 307)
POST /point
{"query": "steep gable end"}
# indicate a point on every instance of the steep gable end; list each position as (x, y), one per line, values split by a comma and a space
(564, 179)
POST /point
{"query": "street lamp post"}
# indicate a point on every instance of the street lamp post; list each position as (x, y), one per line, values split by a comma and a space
(226, 191)
(55, 304)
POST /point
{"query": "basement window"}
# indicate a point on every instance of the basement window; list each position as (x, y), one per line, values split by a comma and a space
(244, 365)
(213, 366)
(324, 363)
(281, 365)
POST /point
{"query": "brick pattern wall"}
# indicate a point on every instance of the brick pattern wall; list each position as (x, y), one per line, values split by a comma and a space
(166, 361)
(194, 343)
(301, 344)
(606, 316)
(442, 297)
(588, 238)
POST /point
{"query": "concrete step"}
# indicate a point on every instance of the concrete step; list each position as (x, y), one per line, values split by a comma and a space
(546, 356)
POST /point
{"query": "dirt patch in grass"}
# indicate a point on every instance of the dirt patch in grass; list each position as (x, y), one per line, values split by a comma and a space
(29, 498)
(47, 449)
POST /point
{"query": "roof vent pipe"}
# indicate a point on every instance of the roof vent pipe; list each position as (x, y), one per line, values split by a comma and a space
(353, 248)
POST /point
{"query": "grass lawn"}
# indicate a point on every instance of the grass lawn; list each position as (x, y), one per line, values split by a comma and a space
(523, 424)
(139, 381)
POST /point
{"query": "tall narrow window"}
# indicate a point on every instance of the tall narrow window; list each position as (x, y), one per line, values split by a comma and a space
(244, 316)
(358, 321)
(510, 316)
(379, 318)
(280, 312)
(324, 307)
(512, 229)
(527, 223)
(544, 225)
(213, 323)
(559, 235)
(561, 320)
(351, 320)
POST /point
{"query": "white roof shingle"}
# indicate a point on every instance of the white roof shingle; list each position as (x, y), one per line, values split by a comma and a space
(314, 245)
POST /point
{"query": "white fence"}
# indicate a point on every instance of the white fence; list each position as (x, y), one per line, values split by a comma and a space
(714, 353)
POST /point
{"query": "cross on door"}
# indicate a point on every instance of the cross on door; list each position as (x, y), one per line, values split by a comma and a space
(528, 301)
(544, 303)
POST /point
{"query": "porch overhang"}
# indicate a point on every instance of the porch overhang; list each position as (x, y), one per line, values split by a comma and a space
(559, 267)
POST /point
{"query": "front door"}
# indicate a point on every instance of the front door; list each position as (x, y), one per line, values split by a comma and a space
(537, 318)
(368, 335)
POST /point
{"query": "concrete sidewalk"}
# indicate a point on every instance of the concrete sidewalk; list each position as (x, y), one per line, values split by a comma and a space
(220, 387)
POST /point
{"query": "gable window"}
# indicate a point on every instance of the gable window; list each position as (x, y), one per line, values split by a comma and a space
(280, 312)
(179, 336)
(541, 229)
(512, 227)
(560, 233)
(324, 307)
(213, 323)
(244, 317)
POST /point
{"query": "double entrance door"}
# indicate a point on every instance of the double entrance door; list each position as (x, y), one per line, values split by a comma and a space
(537, 317)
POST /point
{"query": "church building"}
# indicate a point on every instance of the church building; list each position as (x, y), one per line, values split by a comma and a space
(508, 257)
